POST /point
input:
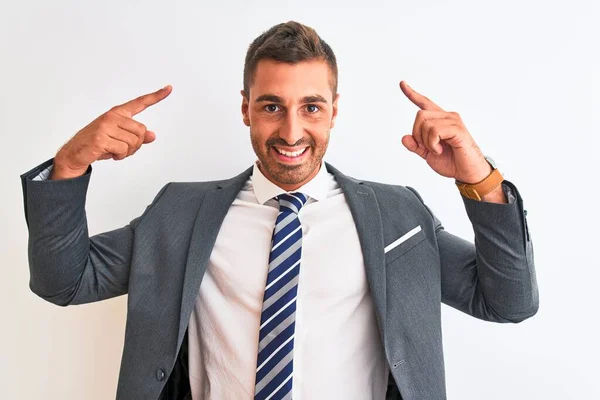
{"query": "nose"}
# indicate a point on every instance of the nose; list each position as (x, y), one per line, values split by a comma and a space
(291, 129)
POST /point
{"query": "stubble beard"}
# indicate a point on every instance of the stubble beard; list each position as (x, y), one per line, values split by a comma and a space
(288, 174)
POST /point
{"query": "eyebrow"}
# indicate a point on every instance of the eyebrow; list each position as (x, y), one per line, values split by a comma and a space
(316, 98)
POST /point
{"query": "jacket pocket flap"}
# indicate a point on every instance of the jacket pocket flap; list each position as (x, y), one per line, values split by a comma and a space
(404, 243)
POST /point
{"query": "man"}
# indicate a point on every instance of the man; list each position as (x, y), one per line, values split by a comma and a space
(290, 280)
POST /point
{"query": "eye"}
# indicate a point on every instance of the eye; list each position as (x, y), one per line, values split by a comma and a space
(272, 108)
(311, 108)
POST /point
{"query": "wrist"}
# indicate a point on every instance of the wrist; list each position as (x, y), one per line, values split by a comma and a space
(487, 189)
(60, 170)
(495, 196)
(479, 174)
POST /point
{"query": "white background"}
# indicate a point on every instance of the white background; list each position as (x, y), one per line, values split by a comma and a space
(520, 73)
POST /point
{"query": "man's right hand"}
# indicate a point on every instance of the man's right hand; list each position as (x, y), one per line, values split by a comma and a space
(114, 135)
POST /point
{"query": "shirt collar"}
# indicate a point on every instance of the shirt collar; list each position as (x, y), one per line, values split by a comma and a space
(264, 189)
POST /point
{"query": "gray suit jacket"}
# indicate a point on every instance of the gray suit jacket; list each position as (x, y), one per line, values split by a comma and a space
(160, 257)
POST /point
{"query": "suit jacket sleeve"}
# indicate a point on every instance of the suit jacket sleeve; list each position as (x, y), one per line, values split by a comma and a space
(494, 278)
(66, 265)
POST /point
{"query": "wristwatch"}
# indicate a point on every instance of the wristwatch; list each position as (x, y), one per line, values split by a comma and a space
(477, 190)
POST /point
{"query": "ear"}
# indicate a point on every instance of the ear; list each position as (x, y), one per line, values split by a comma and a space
(245, 106)
(335, 109)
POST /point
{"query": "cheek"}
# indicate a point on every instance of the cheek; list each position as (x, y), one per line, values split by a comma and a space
(322, 125)
(259, 121)
(261, 132)
(264, 128)
(320, 135)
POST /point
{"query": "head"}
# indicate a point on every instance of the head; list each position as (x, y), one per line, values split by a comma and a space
(289, 101)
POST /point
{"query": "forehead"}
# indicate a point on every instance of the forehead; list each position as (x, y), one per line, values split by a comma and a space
(292, 80)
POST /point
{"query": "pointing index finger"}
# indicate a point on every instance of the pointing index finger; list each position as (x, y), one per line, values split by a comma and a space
(418, 99)
(139, 104)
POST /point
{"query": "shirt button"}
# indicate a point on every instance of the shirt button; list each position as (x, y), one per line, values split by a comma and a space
(160, 374)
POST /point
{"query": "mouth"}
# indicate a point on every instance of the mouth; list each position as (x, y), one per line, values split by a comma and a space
(294, 156)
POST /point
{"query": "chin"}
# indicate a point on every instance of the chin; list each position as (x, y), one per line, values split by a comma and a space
(291, 175)
(288, 174)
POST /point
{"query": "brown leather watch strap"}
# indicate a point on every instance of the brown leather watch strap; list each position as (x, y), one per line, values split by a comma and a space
(477, 190)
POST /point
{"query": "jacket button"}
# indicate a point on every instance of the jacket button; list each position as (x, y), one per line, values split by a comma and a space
(160, 374)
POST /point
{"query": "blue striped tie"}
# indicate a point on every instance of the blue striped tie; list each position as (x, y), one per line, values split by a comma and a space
(274, 366)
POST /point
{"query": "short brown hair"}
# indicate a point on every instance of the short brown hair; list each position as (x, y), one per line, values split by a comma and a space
(290, 42)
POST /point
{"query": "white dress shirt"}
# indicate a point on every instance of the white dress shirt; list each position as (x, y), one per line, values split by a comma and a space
(337, 349)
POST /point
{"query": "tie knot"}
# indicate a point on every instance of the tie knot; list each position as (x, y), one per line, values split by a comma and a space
(291, 202)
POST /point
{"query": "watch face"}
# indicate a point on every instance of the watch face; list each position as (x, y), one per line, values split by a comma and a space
(491, 161)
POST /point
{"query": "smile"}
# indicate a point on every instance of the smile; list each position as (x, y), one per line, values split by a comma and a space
(291, 154)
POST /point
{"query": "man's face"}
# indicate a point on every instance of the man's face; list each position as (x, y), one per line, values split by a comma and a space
(290, 110)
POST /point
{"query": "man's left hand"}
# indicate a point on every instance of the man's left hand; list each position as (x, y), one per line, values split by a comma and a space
(441, 139)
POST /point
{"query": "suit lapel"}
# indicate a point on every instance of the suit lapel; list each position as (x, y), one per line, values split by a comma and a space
(210, 216)
(367, 218)
(365, 212)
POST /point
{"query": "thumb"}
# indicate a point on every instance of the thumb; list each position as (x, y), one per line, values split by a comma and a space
(411, 145)
(150, 137)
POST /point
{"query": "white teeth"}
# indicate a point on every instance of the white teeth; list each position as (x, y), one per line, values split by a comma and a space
(291, 154)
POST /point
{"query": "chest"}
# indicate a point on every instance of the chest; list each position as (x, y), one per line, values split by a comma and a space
(331, 267)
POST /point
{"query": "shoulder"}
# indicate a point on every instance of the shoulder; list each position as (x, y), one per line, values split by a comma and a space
(395, 199)
(187, 189)
(200, 188)
(381, 190)
(386, 192)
